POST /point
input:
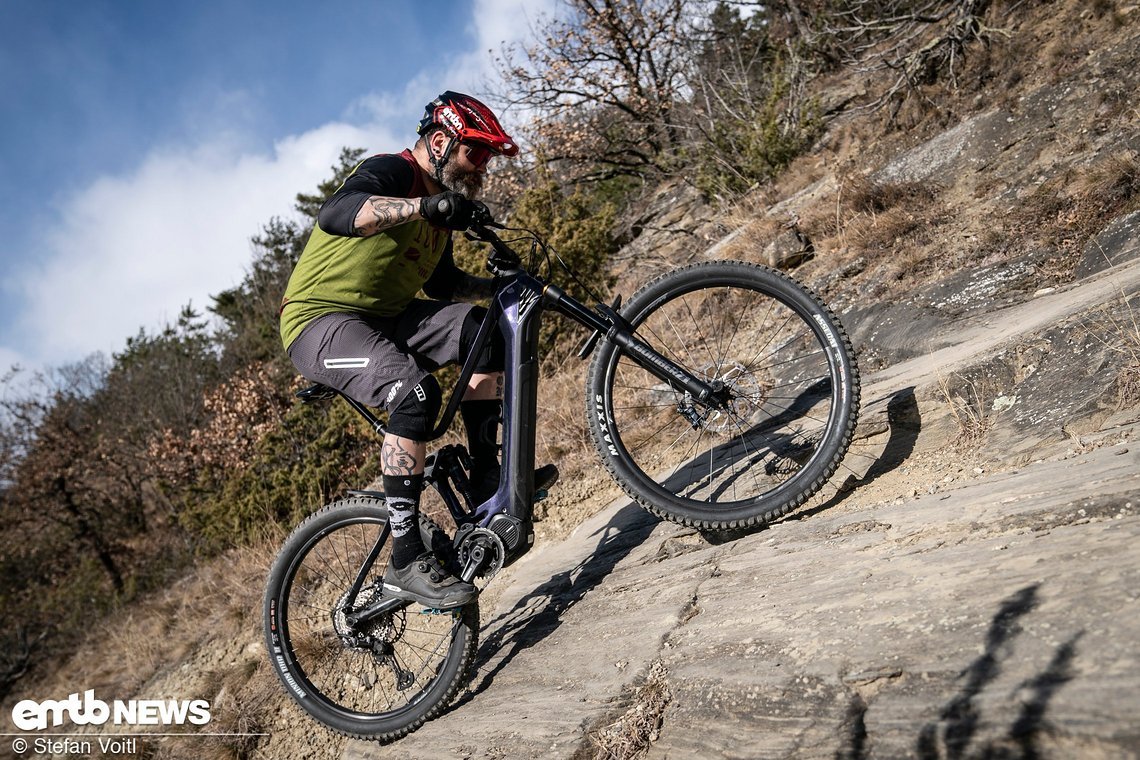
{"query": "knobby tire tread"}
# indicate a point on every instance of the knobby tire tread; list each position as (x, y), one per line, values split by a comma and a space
(274, 589)
(682, 277)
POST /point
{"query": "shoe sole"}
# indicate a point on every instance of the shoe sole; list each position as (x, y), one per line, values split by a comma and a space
(435, 604)
(546, 482)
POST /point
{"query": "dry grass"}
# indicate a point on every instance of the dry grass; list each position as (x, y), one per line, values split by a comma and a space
(562, 436)
(1128, 384)
(1117, 328)
(890, 219)
(638, 727)
(1067, 210)
(208, 622)
(1114, 182)
(969, 403)
(873, 239)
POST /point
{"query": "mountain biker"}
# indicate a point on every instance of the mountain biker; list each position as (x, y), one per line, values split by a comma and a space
(350, 319)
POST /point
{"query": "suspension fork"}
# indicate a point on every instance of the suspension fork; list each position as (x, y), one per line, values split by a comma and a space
(609, 324)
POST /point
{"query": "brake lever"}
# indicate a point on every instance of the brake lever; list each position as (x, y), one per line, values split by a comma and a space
(495, 267)
(482, 217)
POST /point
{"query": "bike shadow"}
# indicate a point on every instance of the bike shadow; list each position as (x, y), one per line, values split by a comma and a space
(904, 423)
(780, 442)
(539, 613)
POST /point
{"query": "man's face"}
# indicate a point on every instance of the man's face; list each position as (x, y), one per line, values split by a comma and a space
(466, 169)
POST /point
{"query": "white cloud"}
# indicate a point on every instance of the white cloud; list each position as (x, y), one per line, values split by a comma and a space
(507, 21)
(130, 251)
(496, 23)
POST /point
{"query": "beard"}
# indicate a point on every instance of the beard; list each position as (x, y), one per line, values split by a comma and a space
(467, 184)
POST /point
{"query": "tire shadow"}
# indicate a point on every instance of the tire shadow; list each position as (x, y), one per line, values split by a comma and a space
(904, 423)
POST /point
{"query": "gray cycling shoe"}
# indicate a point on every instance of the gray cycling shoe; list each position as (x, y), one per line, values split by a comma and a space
(426, 582)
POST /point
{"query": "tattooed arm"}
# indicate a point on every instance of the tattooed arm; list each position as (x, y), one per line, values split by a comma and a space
(379, 213)
(372, 199)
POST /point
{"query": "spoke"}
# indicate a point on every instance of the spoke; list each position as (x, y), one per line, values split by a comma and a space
(697, 325)
(796, 358)
(736, 324)
(670, 421)
(775, 332)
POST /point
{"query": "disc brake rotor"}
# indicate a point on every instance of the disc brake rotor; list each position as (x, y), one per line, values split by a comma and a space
(743, 395)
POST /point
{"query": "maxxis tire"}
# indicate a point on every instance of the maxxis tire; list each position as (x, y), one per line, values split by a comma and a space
(836, 437)
(454, 672)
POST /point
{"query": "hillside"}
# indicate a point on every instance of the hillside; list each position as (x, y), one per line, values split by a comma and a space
(967, 584)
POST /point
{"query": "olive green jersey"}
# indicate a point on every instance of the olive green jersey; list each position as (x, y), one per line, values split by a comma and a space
(377, 275)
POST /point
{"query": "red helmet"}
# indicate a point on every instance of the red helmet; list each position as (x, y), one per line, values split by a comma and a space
(465, 118)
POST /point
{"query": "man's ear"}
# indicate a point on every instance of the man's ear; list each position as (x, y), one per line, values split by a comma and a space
(436, 143)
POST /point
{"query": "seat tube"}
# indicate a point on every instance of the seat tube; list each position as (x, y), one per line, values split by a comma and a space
(522, 307)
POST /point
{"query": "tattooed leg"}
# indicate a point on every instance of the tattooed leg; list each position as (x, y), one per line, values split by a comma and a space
(484, 387)
(402, 456)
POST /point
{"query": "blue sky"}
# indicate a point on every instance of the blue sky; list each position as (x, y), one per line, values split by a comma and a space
(142, 144)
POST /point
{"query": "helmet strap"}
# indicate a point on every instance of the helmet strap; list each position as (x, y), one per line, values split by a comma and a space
(439, 163)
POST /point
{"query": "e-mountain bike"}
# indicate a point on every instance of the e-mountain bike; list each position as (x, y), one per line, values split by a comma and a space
(722, 395)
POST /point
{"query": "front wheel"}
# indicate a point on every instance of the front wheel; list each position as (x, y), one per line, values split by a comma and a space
(376, 680)
(784, 417)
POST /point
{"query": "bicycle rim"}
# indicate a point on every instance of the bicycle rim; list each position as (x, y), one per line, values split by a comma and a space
(792, 394)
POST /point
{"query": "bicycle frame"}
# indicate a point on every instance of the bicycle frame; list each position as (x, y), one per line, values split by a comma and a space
(516, 310)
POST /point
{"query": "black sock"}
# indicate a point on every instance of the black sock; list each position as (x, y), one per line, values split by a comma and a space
(402, 495)
(481, 418)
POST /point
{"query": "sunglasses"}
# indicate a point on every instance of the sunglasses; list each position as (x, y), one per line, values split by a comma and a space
(478, 154)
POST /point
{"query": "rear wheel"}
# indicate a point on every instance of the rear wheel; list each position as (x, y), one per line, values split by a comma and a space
(379, 680)
(784, 418)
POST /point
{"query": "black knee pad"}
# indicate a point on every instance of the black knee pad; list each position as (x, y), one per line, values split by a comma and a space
(493, 356)
(415, 415)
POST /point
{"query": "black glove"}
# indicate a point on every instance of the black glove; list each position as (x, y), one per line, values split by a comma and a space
(448, 209)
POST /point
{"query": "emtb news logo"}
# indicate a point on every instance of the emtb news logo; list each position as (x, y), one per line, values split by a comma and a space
(30, 715)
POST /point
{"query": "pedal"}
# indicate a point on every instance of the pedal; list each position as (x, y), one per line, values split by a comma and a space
(453, 611)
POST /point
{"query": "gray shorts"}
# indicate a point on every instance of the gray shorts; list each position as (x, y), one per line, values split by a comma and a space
(377, 360)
